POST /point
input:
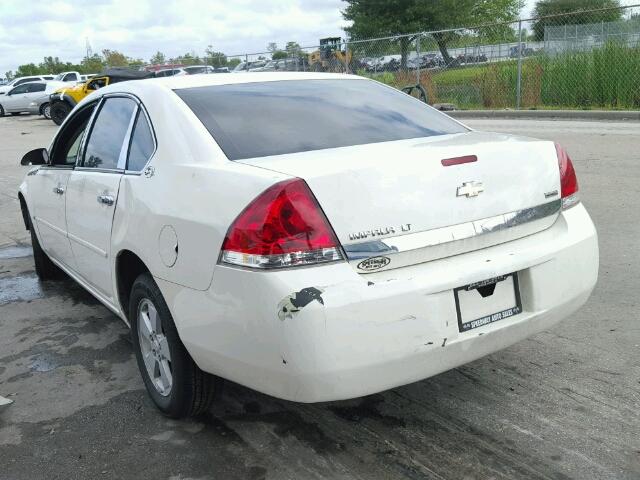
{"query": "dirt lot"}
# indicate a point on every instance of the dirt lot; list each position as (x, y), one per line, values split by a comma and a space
(563, 404)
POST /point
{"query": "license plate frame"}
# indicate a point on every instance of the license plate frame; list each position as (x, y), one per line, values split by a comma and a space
(465, 325)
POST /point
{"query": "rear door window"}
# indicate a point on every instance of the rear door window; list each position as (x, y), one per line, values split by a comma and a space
(259, 119)
(35, 87)
(107, 136)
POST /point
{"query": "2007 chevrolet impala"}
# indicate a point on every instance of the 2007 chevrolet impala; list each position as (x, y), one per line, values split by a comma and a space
(312, 236)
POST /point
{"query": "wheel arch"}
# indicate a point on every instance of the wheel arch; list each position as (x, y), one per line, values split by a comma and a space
(24, 209)
(127, 268)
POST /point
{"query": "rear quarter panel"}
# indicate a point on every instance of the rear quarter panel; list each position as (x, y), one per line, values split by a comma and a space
(190, 187)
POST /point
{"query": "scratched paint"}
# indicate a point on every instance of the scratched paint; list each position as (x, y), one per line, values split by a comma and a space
(291, 305)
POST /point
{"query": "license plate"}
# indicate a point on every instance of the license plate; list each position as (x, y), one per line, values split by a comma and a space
(488, 301)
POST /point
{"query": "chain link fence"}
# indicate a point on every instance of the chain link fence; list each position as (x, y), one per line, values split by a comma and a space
(582, 60)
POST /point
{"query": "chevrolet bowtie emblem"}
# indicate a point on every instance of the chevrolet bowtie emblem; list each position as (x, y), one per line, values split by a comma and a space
(470, 189)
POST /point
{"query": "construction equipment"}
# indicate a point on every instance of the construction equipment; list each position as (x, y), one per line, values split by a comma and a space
(330, 57)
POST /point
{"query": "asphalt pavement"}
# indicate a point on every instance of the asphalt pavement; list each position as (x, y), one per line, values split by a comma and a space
(564, 404)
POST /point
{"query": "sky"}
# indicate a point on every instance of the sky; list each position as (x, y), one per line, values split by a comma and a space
(31, 30)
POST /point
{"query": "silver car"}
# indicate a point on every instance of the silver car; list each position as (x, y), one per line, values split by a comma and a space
(30, 97)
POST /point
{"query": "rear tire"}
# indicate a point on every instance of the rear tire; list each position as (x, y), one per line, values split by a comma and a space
(1, 111)
(15, 114)
(174, 382)
(45, 111)
(59, 111)
(45, 268)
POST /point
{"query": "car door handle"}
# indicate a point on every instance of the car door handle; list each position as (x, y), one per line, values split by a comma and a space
(58, 190)
(106, 199)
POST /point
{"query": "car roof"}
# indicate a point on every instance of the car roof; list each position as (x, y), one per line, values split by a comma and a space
(152, 86)
(203, 80)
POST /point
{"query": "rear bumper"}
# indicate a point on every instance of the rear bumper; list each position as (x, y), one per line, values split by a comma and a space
(363, 334)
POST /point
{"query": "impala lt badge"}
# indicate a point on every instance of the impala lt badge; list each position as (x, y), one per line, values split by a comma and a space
(470, 189)
(379, 232)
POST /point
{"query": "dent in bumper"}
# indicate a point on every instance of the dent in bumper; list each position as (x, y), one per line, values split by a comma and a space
(374, 332)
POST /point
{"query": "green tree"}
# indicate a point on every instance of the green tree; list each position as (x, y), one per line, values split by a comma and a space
(187, 59)
(579, 10)
(278, 55)
(380, 18)
(92, 64)
(29, 69)
(54, 65)
(113, 58)
(135, 62)
(213, 58)
(158, 59)
(293, 49)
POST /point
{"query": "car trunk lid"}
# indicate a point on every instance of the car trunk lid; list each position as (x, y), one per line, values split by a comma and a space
(397, 203)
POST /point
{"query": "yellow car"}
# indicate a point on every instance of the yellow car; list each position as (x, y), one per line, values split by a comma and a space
(64, 99)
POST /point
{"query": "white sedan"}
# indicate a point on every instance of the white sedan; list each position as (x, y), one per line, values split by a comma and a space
(312, 236)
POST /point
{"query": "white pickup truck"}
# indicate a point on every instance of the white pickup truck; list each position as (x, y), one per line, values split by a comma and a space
(68, 77)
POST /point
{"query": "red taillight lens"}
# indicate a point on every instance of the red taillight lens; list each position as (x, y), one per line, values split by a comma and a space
(568, 179)
(284, 226)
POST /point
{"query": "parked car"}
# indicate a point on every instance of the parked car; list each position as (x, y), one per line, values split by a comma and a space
(31, 97)
(195, 69)
(468, 58)
(64, 99)
(19, 81)
(514, 52)
(428, 60)
(171, 72)
(313, 251)
(246, 66)
(271, 66)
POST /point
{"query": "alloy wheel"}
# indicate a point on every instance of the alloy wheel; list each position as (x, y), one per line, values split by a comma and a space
(154, 347)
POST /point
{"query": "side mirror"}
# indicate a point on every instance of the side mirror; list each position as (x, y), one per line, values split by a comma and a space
(39, 156)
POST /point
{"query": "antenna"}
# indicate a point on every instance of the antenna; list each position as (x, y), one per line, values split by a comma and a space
(88, 48)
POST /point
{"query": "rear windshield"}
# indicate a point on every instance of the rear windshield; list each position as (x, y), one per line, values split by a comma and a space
(251, 120)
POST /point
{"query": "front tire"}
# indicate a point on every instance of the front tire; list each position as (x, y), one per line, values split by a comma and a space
(15, 114)
(174, 382)
(59, 111)
(45, 268)
(1, 111)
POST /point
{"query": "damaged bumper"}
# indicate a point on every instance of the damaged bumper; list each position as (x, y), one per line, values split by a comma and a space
(328, 333)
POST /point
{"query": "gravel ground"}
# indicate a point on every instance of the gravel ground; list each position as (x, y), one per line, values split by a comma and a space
(563, 404)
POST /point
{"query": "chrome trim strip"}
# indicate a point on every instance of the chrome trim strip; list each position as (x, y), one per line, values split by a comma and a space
(40, 220)
(462, 231)
(88, 245)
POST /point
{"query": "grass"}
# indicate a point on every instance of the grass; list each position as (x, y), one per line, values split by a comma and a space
(602, 78)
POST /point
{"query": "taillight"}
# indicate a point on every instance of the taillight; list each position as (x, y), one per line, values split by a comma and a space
(568, 179)
(283, 227)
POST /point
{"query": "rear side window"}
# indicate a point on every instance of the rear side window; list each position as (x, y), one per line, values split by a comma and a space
(142, 145)
(273, 118)
(36, 87)
(107, 135)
